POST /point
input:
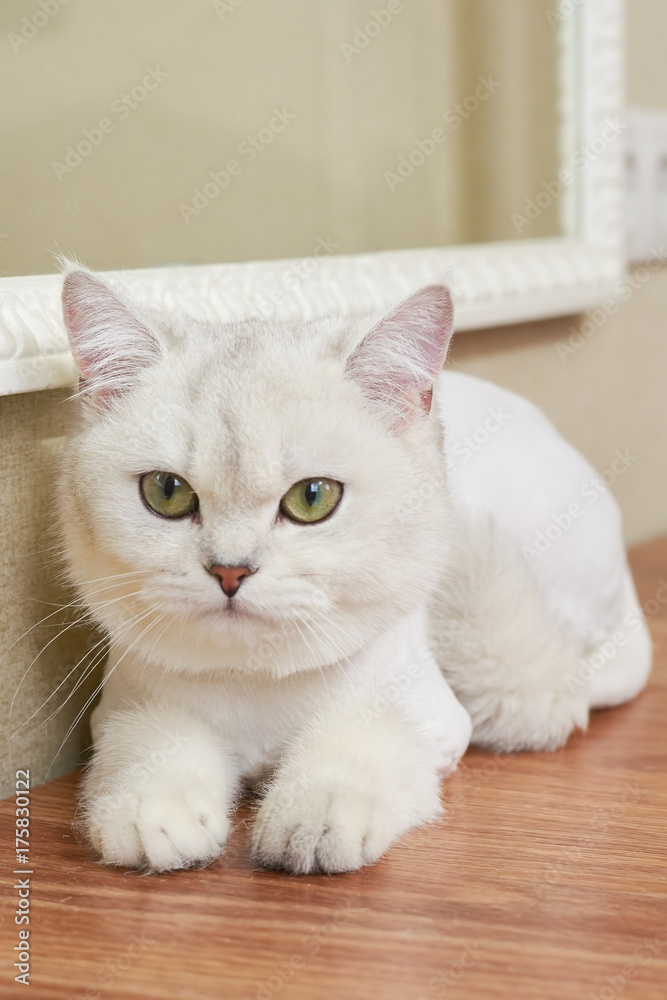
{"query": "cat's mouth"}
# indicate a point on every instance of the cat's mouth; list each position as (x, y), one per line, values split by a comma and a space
(232, 611)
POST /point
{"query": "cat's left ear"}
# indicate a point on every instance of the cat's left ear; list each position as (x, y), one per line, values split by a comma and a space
(111, 344)
(396, 364)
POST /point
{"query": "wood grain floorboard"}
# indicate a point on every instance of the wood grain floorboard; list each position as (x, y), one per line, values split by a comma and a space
(546, 880)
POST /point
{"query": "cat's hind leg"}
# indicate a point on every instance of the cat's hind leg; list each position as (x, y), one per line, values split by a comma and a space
(508, 662)
(618, 669)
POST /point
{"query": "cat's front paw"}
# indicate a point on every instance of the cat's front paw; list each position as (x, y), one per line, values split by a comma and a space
(156, 829)
(325, 828)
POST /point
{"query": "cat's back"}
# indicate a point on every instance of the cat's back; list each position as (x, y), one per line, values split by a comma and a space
(506, 458)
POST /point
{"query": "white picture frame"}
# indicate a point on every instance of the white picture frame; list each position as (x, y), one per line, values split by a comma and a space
(493, 284)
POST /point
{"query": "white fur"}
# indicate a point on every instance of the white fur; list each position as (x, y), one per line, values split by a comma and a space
(528, 666)
(319, 684)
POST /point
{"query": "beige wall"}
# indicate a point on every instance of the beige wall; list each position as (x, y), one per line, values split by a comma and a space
(38, 658)
(647, 66)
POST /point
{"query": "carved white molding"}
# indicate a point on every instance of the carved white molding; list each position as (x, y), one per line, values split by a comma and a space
(602, 33)
(493, 284)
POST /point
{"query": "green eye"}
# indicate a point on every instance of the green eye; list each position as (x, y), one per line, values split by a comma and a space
(168, 495)
(311, 500)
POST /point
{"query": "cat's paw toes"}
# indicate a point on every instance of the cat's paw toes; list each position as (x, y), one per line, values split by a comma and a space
(157, 832)
(328, 830)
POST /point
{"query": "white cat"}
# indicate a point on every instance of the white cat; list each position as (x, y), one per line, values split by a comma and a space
(263, 518)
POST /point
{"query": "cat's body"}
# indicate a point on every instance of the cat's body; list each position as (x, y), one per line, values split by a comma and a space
(321, 677)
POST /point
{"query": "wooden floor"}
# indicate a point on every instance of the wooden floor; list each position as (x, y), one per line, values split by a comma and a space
(547, 879)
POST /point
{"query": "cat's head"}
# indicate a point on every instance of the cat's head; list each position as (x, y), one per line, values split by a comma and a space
(238, 495)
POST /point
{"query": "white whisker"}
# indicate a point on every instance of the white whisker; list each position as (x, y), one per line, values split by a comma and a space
(89, 701)
(87, 670)
(77, 602)
(77, 622)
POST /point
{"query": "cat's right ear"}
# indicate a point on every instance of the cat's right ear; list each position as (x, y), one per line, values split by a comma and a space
(397, 362)
(110, 343)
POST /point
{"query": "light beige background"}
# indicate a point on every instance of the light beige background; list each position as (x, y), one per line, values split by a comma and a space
(321, 176)
(609, 394)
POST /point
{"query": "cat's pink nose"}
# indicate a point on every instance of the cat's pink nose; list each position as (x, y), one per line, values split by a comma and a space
(231, 577)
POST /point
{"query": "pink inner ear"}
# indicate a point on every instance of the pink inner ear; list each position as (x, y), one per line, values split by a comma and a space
(109, 342)
(396, 363)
